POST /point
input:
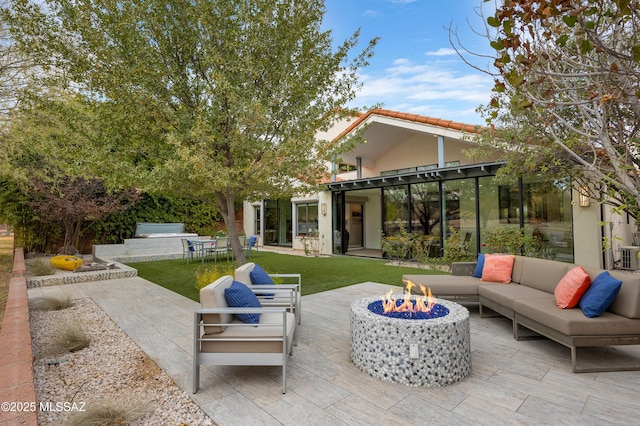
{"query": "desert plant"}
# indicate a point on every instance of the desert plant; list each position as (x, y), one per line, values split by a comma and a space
(208, 274)
(39, 267)
(70, 337)
(51, 303)
(109, 413)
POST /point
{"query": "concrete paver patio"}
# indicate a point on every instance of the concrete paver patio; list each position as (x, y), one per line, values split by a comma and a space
(526, 382)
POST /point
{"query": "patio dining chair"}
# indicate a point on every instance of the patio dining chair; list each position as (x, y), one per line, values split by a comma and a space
(187, 250)
(219, 247)
(249, 245)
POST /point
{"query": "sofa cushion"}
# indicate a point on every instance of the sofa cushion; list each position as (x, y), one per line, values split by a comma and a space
(477, 272)
(572, 322)
(571, 287)
(239, 295)
(600, 295)
(505, 295)
(446, 285)
(518, 264)
(543, 274)
(497, 268)
(212, 296)
(627, 302)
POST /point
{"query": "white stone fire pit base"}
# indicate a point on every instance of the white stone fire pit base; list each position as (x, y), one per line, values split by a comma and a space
(415, 352)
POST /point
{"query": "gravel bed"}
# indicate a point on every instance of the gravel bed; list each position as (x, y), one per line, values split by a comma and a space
(112, 370)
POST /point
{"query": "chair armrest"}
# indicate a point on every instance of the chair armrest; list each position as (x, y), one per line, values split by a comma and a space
(298, 277)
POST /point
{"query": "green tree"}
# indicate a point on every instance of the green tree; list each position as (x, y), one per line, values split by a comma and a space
(567, 93)
(219, 100)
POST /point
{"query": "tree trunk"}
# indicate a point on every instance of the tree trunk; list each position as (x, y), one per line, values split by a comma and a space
(226, 205)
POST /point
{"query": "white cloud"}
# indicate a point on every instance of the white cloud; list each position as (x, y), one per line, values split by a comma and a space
(442, 89)
(371, 13)
(443, 51)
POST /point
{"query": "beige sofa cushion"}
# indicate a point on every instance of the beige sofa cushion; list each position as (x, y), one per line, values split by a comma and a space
(451, 285)
(543, 274)
(506, 294)
(572, 322)
(252, 331)
(627, 302)
(212, 296)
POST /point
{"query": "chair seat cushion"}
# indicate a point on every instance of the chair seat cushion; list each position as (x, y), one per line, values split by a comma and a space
(249, 332)
(239, 295)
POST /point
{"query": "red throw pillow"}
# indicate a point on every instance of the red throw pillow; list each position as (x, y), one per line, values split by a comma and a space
(497, 268)
(571, 288)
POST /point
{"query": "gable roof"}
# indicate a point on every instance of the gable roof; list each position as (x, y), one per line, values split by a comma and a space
(447, 124)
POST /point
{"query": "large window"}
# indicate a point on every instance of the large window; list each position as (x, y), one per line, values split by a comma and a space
(396, 209)
(425, 209)
(277, 223)
(307, 219)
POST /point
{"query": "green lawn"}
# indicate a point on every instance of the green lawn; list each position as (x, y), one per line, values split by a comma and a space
(318, 274)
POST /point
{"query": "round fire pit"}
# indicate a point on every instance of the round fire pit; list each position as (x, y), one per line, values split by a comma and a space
(416, 352)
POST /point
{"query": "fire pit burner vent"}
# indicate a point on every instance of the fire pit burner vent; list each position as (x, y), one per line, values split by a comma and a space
(416, 352)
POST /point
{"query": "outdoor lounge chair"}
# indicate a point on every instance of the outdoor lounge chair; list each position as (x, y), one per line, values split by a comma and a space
(221, 338)
(258, 279)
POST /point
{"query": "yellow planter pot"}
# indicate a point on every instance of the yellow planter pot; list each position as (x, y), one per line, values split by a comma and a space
(68, 263)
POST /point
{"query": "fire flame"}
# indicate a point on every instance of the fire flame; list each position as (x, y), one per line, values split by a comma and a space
(422, 303)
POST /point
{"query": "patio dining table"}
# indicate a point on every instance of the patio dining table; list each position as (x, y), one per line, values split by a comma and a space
(200, 247)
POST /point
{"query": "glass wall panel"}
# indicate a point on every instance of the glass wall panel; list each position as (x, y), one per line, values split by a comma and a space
(548, 217)
(271, 222)
(496, 206)
(459, 197)
(426, 218)
(278, 222)
(396, 209)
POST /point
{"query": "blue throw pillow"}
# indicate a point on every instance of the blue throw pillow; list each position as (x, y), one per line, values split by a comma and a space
(260, 276)
(600, 295)
(239, 295)
(479, 266)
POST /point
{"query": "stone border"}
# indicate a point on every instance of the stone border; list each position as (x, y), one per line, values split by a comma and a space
(120, 271)
(16, 356)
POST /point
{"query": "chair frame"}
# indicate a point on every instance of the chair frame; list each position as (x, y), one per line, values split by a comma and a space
(296, 287)
(188, 250)
(238, 358)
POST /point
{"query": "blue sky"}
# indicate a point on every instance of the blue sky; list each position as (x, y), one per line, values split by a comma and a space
(415, 69)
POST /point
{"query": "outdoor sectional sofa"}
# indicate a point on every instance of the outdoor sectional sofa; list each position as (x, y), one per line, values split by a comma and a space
(529, 301)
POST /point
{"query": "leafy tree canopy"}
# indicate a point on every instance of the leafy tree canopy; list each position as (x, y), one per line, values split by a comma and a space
(221, 100)
(567, 92)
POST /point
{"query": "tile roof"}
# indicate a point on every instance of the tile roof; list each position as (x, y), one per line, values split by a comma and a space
(448, 124)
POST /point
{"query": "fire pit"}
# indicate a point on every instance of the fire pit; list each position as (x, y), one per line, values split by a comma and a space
(429, 347)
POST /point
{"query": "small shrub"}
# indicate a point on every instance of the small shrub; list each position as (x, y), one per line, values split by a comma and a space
(70, 337)
(455, 249)
(52, 303)
(208, 274)
(39, 267)
(108, 414)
